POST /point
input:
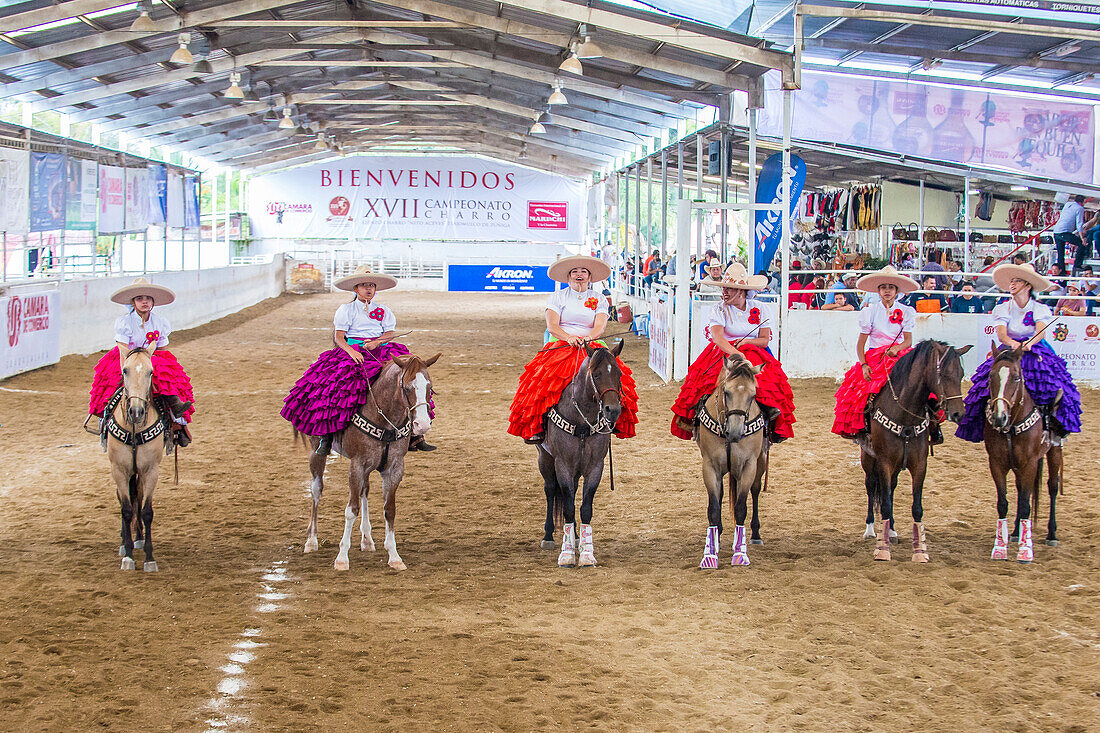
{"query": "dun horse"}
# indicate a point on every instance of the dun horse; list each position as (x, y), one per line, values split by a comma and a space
(1017, 440)
(134, 435)
(732, 438)
(377, 440)
(899, 423)
(578, 437)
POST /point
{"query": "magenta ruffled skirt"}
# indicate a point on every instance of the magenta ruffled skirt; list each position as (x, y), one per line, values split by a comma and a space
(324, 399)
(168, 379)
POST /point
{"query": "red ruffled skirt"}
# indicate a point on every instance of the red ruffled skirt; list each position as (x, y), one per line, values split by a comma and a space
(168, 379)
(772, 387)
(546, 377)
(854, 391)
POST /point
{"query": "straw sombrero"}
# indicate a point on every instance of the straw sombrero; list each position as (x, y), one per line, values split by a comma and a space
(363, 274)
(886, 276)
(160, 294)
(559, 271)
(736, 276)
(1003, 276)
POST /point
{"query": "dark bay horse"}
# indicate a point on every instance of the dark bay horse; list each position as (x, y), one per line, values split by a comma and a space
(1016, 440)
(732, 437)
(578, 437)
(899, 433)
(376, 440)
(134, 433)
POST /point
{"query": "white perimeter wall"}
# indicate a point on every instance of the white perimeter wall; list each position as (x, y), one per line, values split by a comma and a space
(87, 314)
(503, 253)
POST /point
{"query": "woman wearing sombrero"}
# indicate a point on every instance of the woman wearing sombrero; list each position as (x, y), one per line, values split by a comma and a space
(575, 316)
(325, 398)
(738, 324)
(1020, 322)
(885, 334)
(138, 328)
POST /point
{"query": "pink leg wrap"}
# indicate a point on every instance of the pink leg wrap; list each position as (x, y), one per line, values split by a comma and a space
(1025, 553)
(740, 552)
(710, 551)
(1000, 542)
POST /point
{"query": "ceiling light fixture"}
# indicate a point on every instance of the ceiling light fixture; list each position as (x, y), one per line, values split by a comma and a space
(286, 123)
(182, 54)
(929, 64)
(322, 144)
(557, 97)
(589, 50)
(234, 91)
(572, 64)
(270, 115)
(1067, 49)
(202, 67)
(143, 23)
(537, 128)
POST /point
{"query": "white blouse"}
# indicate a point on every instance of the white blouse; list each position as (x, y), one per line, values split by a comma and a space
(737, 323)
(130, 330)
(1020, 322)
(364, 320)
(884, 327)
(577, 311)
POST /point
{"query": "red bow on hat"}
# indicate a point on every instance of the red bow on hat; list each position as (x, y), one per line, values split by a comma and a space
(754, 316)
(151, 337)
(896, 316)
(377, 314)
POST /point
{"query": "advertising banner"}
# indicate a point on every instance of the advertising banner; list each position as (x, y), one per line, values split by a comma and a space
(175, 199)
(660, 337)
(33, 335)
(15, 178)
(112, 199)
(137, 199)
(158, 193)
(80, 202)
(190, 201)
(768, 227)
(48, 185)
(381, 197)
(498, 278)
(1041, 137)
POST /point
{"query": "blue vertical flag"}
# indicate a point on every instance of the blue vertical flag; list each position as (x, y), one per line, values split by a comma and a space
(768, 229)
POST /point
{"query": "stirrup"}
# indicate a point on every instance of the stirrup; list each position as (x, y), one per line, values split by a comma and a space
(536, 439)
(87, 429)
(181, 436)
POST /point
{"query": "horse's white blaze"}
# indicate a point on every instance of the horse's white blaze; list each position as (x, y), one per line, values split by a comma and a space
(422, 422)
(345, 541)
(999, 403)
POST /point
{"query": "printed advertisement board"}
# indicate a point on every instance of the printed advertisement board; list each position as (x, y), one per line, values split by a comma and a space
(47, 192)
(32, 338)
(660, 337)
(498, 278)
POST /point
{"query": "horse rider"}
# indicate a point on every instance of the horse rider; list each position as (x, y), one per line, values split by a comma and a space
(575, 315)
(739, 324)
(885, 334)
(141, 327)
(1020, 322)
(327, 396)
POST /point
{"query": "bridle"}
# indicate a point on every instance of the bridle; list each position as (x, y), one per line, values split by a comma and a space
(601, 426)
(1010, 404)
(937, 384)
(410, 408)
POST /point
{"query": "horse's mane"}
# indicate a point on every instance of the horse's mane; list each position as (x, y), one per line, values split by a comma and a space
(134, 351)
(743, 368)
(1004, 353)
(906, 363)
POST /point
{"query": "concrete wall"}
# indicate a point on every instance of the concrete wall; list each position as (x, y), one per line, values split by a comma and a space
(87, 314)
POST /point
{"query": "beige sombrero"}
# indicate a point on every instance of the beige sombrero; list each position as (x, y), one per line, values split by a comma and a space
(599, 269)
(886, 276)
(363, 274)
(160, 294)
(736, 276)
(1003, 276)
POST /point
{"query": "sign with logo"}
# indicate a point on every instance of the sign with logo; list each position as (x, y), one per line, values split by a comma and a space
(112, 199)
(47, 192)
(410, 198)
(499, 278)
(32, 338)
(660, 337)
(15, 175)
(768, 228)
(158, 193)
(80, 205)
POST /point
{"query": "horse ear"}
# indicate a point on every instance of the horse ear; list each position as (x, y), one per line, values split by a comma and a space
(402, 360)
(589, 349)
(993, 347)
(618, 348)
(964, 349)
(433, 360)
(757, 369)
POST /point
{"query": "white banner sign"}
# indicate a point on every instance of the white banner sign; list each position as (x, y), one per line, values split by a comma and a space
(175, 199)
(137, 199)
(660, 337)
(15, 182)
(33, 334)
(112, 199)
(381, 197)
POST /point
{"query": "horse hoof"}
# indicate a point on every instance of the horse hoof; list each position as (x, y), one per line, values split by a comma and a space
(882, 555)
(127, 563)
(122, 550)
(311, 546)
(756, 541)
(139, 544)
(586, 560)
(740, 559)
(920, 557)
(548, 544)
(1025, 556)
(710, 562)
(869, 533)
(1052, 543)
(398, 565)
(341, 564)
(567, 560)
(151, 567)
(999, 553)
(893, 537)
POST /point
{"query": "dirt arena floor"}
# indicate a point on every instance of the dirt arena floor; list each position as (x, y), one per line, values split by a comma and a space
(241, 631)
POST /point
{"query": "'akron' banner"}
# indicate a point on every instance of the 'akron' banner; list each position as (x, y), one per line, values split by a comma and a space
(768, 225)
(380, 197)
(496, 278)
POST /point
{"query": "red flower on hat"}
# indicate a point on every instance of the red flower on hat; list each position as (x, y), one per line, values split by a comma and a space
(377, 314)
(591, 303)
(152, 337)
(896, 316)
(754, 316)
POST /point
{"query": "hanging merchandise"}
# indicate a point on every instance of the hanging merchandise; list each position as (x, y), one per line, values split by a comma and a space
(1025, 215)
(984, 209)
(864, 207)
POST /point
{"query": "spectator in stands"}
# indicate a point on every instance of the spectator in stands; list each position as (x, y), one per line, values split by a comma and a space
(933, 265)
(1020, 259)
(924, 301)
(955, 274)
(701, 271)
(847, 281)
(966, 301)
(840, 303)
(649, 261)
(628, 276)
(799, 281)
(1073, 304)
(1070, 229)
(818, 299)
(984, 281)
(1050, 297)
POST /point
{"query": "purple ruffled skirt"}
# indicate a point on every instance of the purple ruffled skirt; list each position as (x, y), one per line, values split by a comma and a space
(1044, 374)
(324, 399)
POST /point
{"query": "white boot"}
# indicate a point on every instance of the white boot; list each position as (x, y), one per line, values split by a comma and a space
(1000, 542)
(710, 550)
(587, 556)
(740, 550)
(1024, 552)
(568, 556)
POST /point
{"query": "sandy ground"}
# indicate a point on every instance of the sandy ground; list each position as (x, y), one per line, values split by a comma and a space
(241, 631)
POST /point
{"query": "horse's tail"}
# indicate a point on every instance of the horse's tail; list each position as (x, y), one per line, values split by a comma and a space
(557, 505)
(1035, 492)
(299, 437)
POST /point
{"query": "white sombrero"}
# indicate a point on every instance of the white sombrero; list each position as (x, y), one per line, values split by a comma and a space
(736, 276)
(363, 274)
(886, 276)
(559, 271)
(1004, 274)
(160, 294)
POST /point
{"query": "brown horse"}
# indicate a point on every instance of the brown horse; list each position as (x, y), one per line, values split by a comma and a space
(899, 424)
(134, 441)
(377, 440)
(732, 438)
(1016, 440)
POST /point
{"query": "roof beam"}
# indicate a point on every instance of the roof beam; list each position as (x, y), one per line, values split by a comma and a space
(626, 140)
(60, 11)
(306, 23)
(1034, 61)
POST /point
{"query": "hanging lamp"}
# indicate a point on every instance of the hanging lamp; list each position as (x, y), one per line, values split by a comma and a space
(234, 91)
(183, 55)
